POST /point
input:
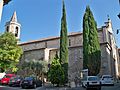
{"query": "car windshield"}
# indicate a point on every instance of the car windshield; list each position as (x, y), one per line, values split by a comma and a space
(93, 78)
(15, 78)
(28, 78)
(107, 77)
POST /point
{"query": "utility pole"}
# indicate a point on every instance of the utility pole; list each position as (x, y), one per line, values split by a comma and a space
(1, 8)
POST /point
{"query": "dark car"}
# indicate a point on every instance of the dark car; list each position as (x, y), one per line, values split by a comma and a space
(15, 81)
(31, 82)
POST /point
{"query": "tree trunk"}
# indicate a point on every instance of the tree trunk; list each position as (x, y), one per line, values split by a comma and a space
(43, 79)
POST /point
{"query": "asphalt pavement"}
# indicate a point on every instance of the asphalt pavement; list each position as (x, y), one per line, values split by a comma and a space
(49, 86)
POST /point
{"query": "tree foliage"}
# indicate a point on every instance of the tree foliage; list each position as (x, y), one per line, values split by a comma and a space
(63, 39)
(91, 45)
(56, 73)
(64, 44)
(10, 52)
(35, 67)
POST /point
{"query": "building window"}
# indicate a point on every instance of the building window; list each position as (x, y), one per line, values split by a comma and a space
(69, 42)
(16, 32)
(41, 59)
(46, 44)
(7, 29)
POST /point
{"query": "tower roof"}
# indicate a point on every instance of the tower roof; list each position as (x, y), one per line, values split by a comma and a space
(14, 17)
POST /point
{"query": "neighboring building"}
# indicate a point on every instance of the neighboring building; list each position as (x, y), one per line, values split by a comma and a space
(45, 49)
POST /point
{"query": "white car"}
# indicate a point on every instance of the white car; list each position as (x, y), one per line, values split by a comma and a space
(91, 82)
(107, 80)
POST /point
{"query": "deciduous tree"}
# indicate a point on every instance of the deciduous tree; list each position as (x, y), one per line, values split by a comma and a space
(10, 52)
(36, 67)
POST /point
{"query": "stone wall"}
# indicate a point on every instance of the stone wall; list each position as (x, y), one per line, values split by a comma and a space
(33, 46)
(33, 55)
(75, 62)
(105, 60)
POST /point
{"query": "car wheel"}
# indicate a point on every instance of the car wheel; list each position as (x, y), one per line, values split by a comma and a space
(10, 85)
(22, 87)
(82, 85)
(34, 86)
(112, 84)
(99, 88)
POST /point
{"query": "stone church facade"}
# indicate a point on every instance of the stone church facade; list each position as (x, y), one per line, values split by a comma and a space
(45, 49)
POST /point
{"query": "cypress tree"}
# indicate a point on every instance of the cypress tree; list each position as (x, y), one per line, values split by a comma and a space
(91, 45)
(64, 44)
(85, 40)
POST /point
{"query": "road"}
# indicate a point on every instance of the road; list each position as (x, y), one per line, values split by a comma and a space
(18, 88)
(115, 87)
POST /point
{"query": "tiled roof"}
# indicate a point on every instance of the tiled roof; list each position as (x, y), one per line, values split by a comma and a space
(52, 38)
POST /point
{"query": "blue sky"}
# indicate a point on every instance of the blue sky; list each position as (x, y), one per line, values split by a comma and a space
(42, 18)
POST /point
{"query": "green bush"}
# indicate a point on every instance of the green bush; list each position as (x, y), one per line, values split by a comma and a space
(56, 73)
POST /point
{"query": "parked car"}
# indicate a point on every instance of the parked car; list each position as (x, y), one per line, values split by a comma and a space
(91, 82)
(107, 80)
(31, 82)
(6, 78)
(15, 81)
(2, 75)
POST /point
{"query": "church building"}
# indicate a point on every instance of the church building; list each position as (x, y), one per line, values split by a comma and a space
(46, 48)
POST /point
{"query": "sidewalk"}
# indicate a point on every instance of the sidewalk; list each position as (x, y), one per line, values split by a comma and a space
(49, 86)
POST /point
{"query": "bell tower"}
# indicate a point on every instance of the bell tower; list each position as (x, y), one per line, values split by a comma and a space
(13, 26)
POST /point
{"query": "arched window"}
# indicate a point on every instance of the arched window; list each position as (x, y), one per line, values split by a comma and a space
(69, 42)
(16, 32)
(7, 29)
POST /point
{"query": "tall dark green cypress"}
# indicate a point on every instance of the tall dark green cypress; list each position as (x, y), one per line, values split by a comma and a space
(91, 45)
(64, 44)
